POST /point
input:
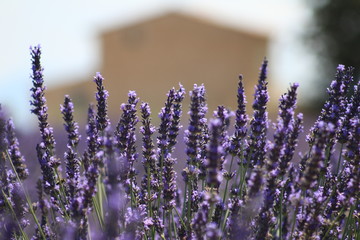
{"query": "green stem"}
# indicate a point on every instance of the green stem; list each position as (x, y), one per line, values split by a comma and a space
(294, 221)
(98, 212)
(326, 162)
(180, 218)
(348, 220)
(212, 207)
(280, 217)
(333, 223)
(339, 160)
(189, 204)
(27, 198)
(244, 171)
(62, 195)
(14, 215)
(98, 201)
(150, 212)
(174, 224)
(184, 201)
(161, 161)
(169, 219)
(225, 218)
(227, 180)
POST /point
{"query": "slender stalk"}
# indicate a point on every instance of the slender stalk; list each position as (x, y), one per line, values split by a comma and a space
(62, 195)
(339, 160)
(14, 215)
(180, 218)
(27, 198)
(174, 224)
(184, 201)
(98, 200)
(189, 203)
(333, 222)
(242, 178)
(294, 221)
(348, 219)
(169, 223)
(98, 212)
(326, 162)
(212, 207)
(225, 218)
(227, 180)
(280, 217)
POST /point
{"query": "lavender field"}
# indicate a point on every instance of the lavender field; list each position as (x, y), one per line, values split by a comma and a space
(237, 184)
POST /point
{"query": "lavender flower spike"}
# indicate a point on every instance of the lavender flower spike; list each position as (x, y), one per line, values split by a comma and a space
(92, 139)
(197, 120)
(215, 152)
(259, 122)
(72, 164)
(194, 141)
(101, 98)
(14, 152)
(150, 180)
(318, 154)
(174, 127)
(165, 116)
(46, 149)
(240, 121)
(287, 105)
(39, 102)
(335, 106)
(224, 114)
(125, 137)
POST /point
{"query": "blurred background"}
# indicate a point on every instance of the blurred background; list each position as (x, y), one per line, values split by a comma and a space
(151, 46)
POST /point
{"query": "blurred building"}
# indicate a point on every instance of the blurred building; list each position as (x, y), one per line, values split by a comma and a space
(155, 55)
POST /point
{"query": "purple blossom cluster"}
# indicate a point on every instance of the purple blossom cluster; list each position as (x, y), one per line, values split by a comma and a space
(270, 193)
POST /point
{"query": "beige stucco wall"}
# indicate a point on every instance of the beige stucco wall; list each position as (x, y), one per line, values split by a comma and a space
(152, 56)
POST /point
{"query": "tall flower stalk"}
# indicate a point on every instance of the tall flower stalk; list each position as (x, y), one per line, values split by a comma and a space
(46, 149)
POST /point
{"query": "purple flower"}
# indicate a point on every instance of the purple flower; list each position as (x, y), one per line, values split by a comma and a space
(46, 149)
(14, 152)
(316, 162)
(150, 180)
(125, 140)
(335, 107)
(199, 221)
(352, 110)
(255, 182)
(72, 163)
(113, 187)
(197, 113)
(213, 232)
(174, 126)
(125, 128)
(215, 152)
(92, 138)
(44, 207)
(259, 122)
(240, 121)
(223, 115)
(195, 145)
(166, 117)
(170, 187)
(290, 143)
(286, 112)
(101, 98)
(38, 101)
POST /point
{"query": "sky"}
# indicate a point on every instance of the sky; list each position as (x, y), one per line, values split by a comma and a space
(68, 32)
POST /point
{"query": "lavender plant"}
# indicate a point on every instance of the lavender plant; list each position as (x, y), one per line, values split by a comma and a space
(271, 193)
